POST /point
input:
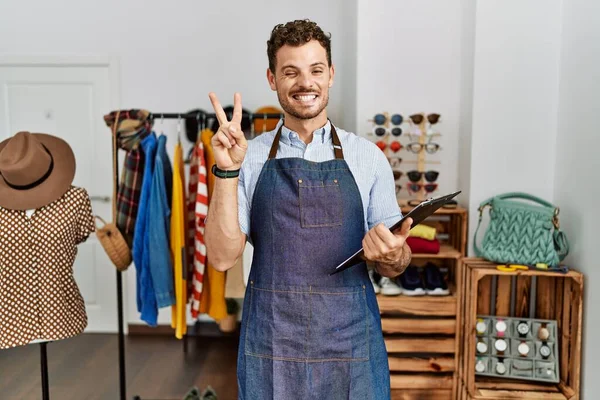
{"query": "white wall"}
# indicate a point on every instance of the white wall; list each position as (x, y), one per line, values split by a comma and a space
(171, 54)
(515, 99)
(576, 188)
(348, 66)
(409, 58)
(467, 46)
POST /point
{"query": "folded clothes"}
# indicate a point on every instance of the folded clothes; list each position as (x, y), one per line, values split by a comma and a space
(423, 231)
(420, 245)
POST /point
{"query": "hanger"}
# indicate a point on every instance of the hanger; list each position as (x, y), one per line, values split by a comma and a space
(179, 129)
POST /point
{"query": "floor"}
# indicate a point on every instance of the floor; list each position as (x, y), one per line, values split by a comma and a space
(86, 367)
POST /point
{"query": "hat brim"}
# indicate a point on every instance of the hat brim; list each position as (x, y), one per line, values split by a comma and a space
(52, 188)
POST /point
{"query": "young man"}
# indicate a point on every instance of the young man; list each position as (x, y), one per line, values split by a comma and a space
(306, 195)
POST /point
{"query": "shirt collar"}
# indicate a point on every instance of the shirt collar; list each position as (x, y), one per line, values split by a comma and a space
(320, 136)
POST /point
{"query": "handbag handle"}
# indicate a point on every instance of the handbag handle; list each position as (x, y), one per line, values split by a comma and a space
(519, 195)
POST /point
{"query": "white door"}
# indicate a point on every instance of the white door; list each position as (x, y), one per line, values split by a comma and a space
(69, 101)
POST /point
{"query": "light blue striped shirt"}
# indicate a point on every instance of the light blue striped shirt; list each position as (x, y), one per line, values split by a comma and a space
(368, 164)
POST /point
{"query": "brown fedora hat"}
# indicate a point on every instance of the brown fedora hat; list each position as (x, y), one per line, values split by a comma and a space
(35, 170)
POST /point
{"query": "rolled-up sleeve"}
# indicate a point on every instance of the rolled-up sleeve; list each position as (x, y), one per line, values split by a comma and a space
(383, 204)
(243, 203)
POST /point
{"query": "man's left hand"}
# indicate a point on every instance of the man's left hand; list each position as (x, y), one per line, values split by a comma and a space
(388, 250)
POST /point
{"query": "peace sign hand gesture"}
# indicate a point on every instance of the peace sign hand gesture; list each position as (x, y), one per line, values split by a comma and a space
(229, 143)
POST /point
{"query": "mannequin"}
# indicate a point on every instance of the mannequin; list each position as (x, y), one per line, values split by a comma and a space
(43, 218)
(29, 213)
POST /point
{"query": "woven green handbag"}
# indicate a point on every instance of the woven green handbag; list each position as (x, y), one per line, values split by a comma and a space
(521, 233)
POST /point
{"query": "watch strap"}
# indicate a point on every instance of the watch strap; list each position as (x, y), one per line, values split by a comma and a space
(221, 173)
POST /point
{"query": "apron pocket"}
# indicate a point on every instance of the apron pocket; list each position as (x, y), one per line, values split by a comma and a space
(339, 328)
(277, 325)
(320, 203)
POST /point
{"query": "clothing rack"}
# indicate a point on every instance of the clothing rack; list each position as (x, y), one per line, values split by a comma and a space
(198, 115)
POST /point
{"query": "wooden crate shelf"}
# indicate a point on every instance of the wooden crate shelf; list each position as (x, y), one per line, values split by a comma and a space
(557, 296)
(421, 381)
(421, 364)
(420, 345)
(423, 333)
(423, 394)
(419, 305)
(446, 326)
(446, 251)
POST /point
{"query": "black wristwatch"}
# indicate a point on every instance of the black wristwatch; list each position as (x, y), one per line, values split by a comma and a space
(221, 173)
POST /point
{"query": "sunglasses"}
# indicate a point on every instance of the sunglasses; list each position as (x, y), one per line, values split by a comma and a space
(395, 119)
(451, 204)
(380, 131)
(431, 118)
(415, 176)
(394, 162)
(394, 146)
(397, 174)
(414, 187)
(417, 147)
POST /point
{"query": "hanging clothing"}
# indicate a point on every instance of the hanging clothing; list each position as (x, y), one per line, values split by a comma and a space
(39, 297)
(198, 207)
(191, 216)
(146, 297)
(306, 334)
(178, 245)
(159, 227)
(213, 289)
(132, 127)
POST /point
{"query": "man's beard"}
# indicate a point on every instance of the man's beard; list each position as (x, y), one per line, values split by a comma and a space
(299, 113)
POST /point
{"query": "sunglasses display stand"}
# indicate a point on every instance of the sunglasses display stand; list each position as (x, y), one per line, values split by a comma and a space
(387, 130)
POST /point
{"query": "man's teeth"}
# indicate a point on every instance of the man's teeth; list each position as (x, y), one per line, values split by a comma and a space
(306, 97)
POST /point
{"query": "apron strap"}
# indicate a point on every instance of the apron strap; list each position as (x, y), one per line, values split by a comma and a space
(275, 144)
(337, 145)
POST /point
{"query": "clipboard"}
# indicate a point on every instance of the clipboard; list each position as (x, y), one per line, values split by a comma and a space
(418, 214)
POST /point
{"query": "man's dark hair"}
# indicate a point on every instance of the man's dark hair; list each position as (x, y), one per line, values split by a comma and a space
(296, 33)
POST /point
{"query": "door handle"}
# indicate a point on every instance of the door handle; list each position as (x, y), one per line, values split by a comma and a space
(105, 199)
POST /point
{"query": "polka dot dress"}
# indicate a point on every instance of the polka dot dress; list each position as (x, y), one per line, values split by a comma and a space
(39, 298)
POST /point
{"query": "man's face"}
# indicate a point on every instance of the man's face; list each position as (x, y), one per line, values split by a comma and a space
(302, 79)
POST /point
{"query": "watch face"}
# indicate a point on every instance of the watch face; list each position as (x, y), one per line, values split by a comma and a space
(480, 366)
(500, 368)
(501, 345)
(523, 328)
(501, 326)
(481, 347)
(543, 333)
(523, 349)
(545, 350)
(480, 327)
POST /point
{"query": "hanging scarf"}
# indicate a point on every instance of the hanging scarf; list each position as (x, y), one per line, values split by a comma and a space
(133, 126)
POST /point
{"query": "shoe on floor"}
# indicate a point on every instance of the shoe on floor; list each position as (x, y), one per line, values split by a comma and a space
(435, 285)
(373, 279)
(192, 394)
(389, 287)
(209, 394)
(412, 284)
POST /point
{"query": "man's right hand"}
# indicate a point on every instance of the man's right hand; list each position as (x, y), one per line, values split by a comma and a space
(229, 143)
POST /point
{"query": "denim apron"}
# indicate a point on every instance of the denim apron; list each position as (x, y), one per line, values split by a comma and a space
(306, 334)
